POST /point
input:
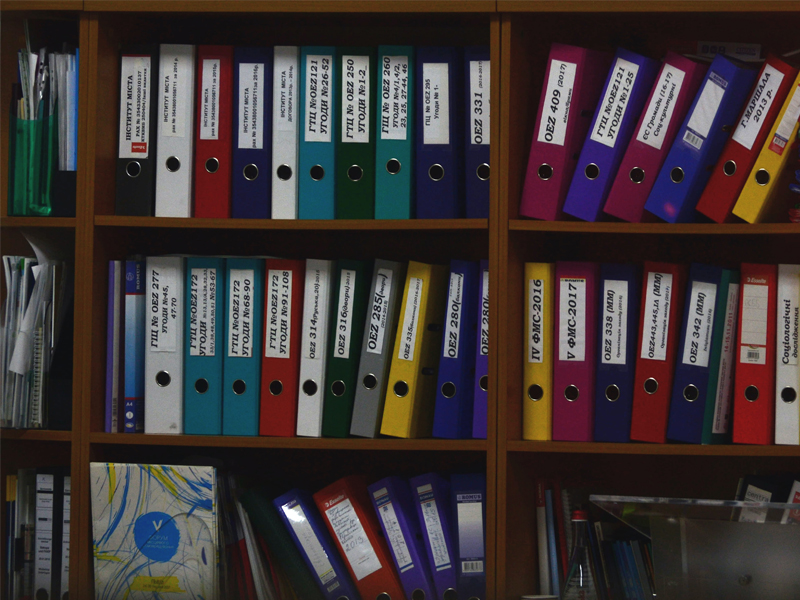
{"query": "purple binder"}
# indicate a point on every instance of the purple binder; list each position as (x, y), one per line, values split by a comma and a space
(116, 304)
(481, 399)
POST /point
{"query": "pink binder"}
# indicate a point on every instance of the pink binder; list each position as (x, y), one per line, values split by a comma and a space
(576, 74)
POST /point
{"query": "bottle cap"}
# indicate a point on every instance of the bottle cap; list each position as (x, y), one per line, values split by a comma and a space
(580, 515)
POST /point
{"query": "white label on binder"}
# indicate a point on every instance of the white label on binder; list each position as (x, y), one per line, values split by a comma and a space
(278, 343)
(705, 110)
(134, 107)
(251, 105)
(788, 122)
(535, 321)
(44, 530)
(318, 97)
(355, 99)
(755, 515)
(393, 531)
(558, 99)
(722, 413)
(435, 103)
(353, 539)
(433, 525)
(379, 311)
(202, 312)
(656, 316)
(283, 82)
(572, 321)
(484, 341)
(344, 316)
(697, 345)
(452, 327)
(176, 87)
(755, 306)
(240, 307)
(755, 112)
(309, 542)
(788, 314)
(662, 104)
(469, 519)
(408, 335)
(317, 282)
(615, 322)
(163, 308)
(394, 98)
(615, 103)
(209, 100)
(479, 87)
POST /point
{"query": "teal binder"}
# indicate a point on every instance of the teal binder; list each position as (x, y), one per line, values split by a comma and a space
(394, 133)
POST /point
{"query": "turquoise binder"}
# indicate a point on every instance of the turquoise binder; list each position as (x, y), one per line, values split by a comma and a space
(203, 345)
(394, 126)
(317, 149)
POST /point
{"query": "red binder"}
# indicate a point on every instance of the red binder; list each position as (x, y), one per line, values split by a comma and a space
(213, 132)
(353, 524)
(284, 283)
(754, 378)
(659, 332)
(741, 150)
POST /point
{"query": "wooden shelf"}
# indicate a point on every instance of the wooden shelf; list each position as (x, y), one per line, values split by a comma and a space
(651, 449)
(30, 222)
(42, 5)
(293, 6)
(657, 228)
(634, 6)
(35, 435)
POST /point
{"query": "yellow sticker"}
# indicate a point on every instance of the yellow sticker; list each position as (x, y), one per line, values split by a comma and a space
(165, 584)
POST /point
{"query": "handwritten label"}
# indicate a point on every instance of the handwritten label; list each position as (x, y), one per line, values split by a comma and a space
(209, 100)
(251, 105)
(572, 321)
(558, 99)
(353, 539)
(394, 532)
(615, 103)
(240, 309)
(176, 90)
(536, 333)
(310, 542)
(757, 107)
(394, 98)
(659, 111)
(656, 316)
(379, 312)
(699, 322)
(202, 312)
(344, 316)
(408, 334)
(704, 111)
(355, 99)
(433, 525)
(615, 322)
(722, 403)
(319, 82)
(134, 106)
(163, 280)
(479, 84)
(452, 327)
(278, 333)
(435, 103)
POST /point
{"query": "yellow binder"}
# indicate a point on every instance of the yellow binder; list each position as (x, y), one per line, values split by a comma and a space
(754, 202)
(411, 391)
(537, 368)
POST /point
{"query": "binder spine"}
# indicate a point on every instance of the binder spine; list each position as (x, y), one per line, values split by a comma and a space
(134, 345)
(480, 414)
(284, 132)
(469, 514)
(787, 378)
(477, 170)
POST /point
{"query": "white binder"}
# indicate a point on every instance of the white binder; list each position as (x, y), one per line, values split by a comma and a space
(787, 372)
(285, 115)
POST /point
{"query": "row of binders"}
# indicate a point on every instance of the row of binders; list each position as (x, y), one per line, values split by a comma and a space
(311, 132)
(698, 354)
(678, 140)
(283, 347)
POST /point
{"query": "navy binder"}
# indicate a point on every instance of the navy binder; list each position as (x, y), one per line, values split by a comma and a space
(477, 83)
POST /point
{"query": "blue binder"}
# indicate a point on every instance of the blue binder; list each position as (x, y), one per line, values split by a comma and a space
(242, 354)
(627, 87)
(439, 146)
(455, 391)
(203, 345)
(318, 117)
(477, 84)
(700, 140)
(468, 493)
(481, 402)
(251, 185)
(134, 345)
(619, 306)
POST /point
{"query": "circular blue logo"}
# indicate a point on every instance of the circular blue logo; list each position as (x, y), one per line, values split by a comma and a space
(157, 536)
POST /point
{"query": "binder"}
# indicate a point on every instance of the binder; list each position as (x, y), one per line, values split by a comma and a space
(537, 367)
(314, 346)
(351, 521)
(552, 544)
(175, 143)
(345, 334)
(618, 318)
(317, 151)
(627, 86)
(134, 345)
(455, 386)
(355, 141)
(47, 550)
(439, 144)
(477, 169)
(408, 410)
(114, 335)
(754, 379)
(662, 298)
(394, 127)
(469, 513)
(214, 133)
(541, 539)
(558, 136)
(135, 175)
(386, 290)
(670, 97)
(251, 183)
(704, 299)
(203, 343)
(285, 132)
(480, 413)
(787, 372)
(280, 366)
(699, 142)
(391, 498)
(241, 363)
(64, 549)
(574, 360)
(163, 357)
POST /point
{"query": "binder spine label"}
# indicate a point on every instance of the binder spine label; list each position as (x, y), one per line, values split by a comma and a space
(380, 311)
(788, 122)
(134, 122)
(251, 105)
(656, 316)
(436, 103)
(318, 97)
(452, 326)
(279, 315)
(758, 107)
(722, 412)
(283, 115)
(662, 104)
(176, 88)
(354, 541)
(355, 99)
(484, 341)
(555, 114)
(788, 310)
(65, 536)
(408, 335)
(479, 87)
(394, 533)
(697, 345)
(572, 322)
(394, 98)
(344, 325)
(615, 103)
(209, 104)
(240, 320)
(704, 111)
(753, 341)
(469, 511)
(314, 315)
(163, 308)
(535, 321)
(433, 525)
(203, 312)
(45, 490)
(615, 322)
(309, 542)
